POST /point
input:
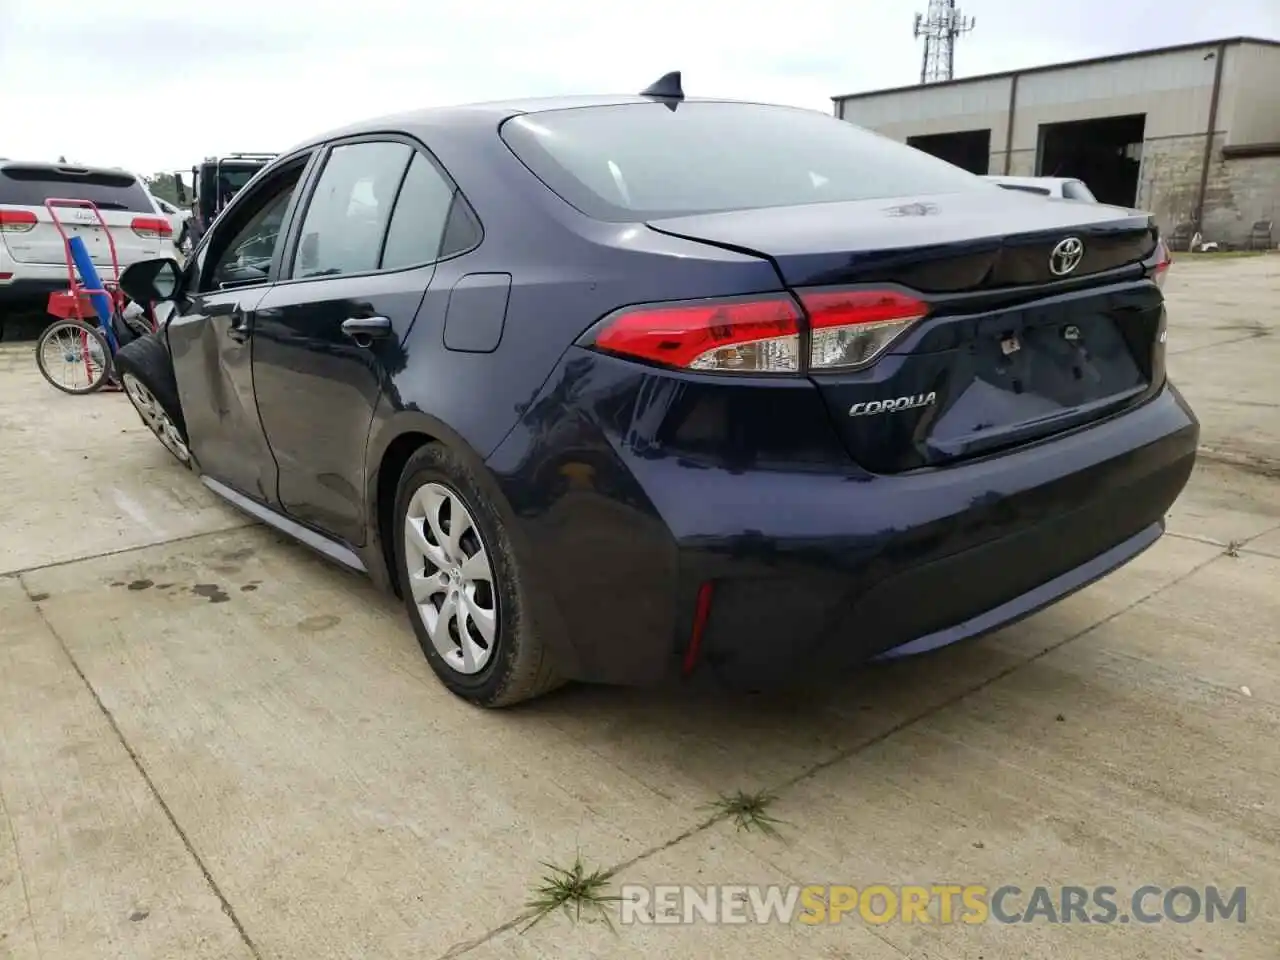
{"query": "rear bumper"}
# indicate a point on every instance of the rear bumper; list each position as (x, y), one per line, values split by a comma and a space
(32, 283)
(30, 292)
(819, 569)
(1035, 599)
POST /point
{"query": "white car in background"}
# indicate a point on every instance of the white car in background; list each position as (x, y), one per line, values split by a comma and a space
(1060, 188)
(33, 258)
(176, 216)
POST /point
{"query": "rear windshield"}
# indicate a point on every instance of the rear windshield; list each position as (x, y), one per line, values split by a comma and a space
(32, 186)
(644, 161)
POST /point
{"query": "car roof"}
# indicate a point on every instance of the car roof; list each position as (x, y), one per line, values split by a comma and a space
(472, 117)
(53, 167)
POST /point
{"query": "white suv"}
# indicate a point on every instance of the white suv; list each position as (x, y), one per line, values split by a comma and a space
(33, 260)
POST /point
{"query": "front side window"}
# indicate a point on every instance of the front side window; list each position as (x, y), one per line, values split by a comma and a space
(629, 162)
(242, 250)
(346, 219)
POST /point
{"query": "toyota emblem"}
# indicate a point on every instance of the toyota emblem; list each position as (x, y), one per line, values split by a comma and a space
(1066, 256)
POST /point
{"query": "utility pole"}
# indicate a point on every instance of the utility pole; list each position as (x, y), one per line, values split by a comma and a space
(940, 27)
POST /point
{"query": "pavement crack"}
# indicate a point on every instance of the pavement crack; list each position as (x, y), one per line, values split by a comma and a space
(17, 574)
(22, 874)
(146, 776)
(1195, 538)
(1259, 534)
(840, 756)
(1241, 545)
(1265, 467)
(1255, 335)
(989, 681)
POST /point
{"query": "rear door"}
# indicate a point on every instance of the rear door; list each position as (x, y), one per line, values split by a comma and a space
(329, 336)
(137, 228)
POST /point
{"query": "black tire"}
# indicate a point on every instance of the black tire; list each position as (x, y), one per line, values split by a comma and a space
(146, 362)
(95, 342)
(520, 664)
(124, 333)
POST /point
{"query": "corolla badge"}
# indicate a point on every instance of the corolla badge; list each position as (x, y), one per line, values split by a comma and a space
(895, 405)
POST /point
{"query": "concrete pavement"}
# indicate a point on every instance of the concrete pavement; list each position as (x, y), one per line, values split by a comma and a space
(212, 744)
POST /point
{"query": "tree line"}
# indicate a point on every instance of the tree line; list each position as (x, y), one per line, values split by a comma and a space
(164, 186)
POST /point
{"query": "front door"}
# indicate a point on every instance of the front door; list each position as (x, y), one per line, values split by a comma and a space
(329, 336)
(210, 335)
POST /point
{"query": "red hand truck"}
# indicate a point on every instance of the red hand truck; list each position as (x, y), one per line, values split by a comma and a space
(81, 337)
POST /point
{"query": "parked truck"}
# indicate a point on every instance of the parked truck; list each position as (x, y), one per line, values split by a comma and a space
(213, 183)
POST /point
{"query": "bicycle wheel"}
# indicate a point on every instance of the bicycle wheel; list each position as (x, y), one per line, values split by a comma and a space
(78, 353)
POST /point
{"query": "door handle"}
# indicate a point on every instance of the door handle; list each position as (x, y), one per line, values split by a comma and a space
(365, 329)
(239, 329)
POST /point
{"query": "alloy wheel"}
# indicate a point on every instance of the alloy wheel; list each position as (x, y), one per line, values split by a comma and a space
(451, 578)
(153, 415)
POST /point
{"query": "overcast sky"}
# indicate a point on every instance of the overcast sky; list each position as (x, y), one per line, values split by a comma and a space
(152, 85)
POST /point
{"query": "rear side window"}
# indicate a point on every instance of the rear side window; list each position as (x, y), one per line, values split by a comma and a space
(347, 215)
(644, 161)
(462, 230)
(31, 186)
(418, 222)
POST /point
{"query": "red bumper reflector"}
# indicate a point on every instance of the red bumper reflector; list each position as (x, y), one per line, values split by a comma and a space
(701, 613)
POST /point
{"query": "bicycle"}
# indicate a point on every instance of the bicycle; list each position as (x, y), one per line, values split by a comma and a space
(78, 343)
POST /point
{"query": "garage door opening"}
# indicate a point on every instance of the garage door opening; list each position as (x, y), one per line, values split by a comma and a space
(1105, 153)
(970, 149)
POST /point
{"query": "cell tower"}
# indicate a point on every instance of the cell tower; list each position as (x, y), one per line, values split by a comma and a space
(940, 27)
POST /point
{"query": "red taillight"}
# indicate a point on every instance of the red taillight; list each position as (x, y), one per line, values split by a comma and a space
(17, 221)
(850, 328)
(1164, 259)
(151, 227)
(758, 335)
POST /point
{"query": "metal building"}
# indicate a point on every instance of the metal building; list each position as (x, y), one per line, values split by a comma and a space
(1189, 132)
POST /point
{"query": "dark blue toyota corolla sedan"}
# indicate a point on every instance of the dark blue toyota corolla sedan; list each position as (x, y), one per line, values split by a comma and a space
(631, 388)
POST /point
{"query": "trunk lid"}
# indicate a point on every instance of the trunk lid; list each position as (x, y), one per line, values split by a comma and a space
(961, 242)
(120, 199)
(1014, 349)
